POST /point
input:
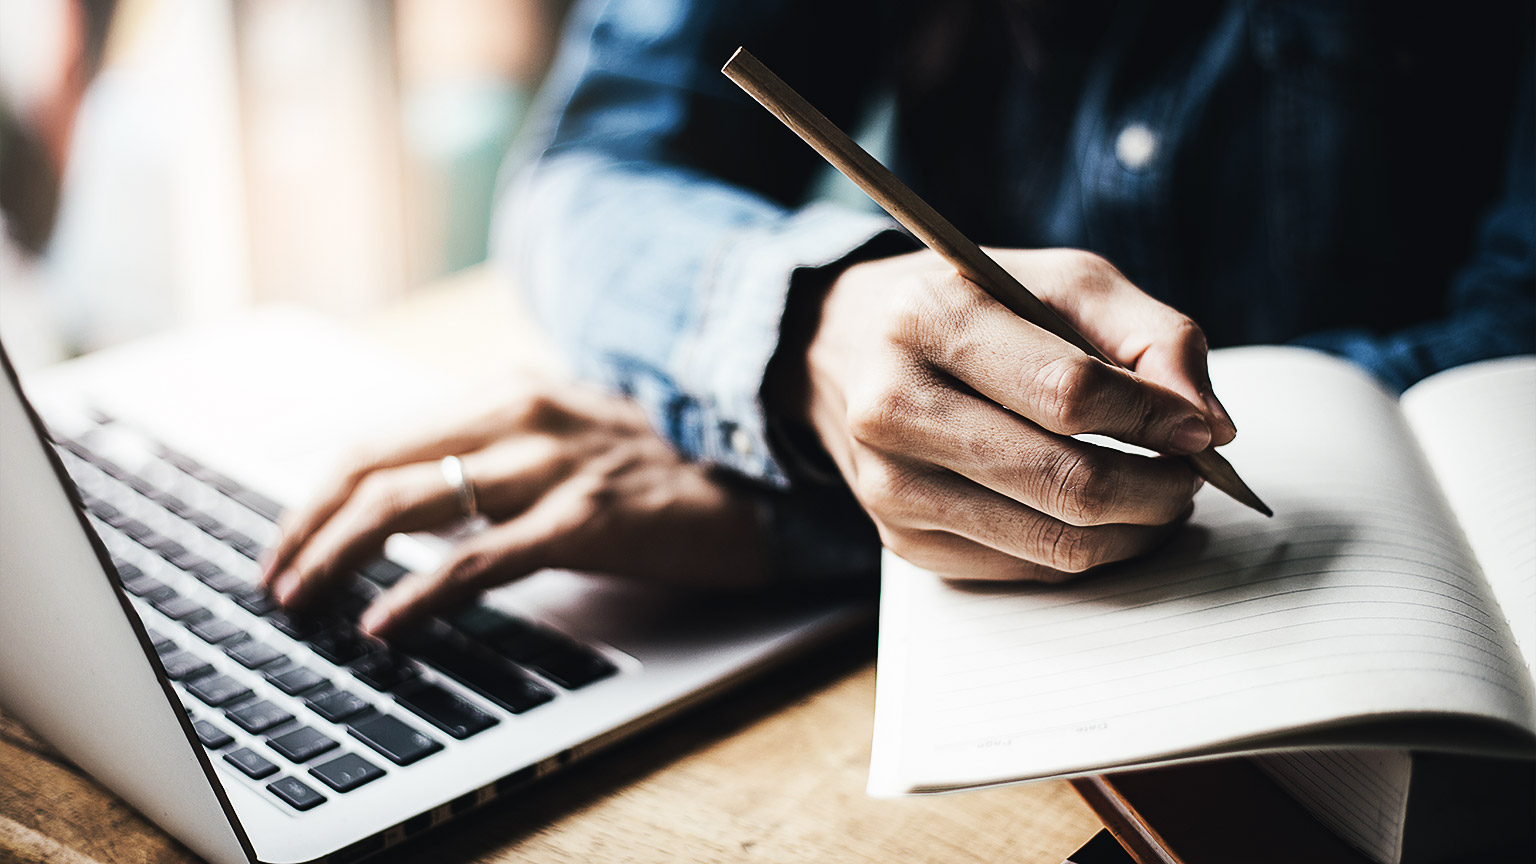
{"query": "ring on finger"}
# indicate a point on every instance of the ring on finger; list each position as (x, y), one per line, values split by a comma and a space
(463, 489)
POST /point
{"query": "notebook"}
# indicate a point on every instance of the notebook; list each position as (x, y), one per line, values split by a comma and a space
(136, 642)
(1389, 605)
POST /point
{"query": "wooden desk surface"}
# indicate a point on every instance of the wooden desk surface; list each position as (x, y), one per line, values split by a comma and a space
(773, 771)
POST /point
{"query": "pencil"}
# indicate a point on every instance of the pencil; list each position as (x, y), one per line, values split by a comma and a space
(927, 225)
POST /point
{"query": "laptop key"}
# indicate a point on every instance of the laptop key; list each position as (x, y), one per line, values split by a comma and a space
(218, 690)
(338, 705)
(255, 600)
(183, 609)
(157, 639)
(494, 678)
(225, 583)
(384, 670)
(135, 529)
(250, 763)
(294, 626)
(302, 744)
(176, 506)
(103, 510)
(186, 560)
(513, 690)
(165, 547)
(447, 711)
(347, 772)
(254, 655)
(572, 666)
(242, 544)
(126, 572)
(394, 739)
(296, 680)
(211, 736)
(519, 640)
(295, 794)
(340, 645)
(184, 666)
(258, 717)
(383, 572)
(216, 630)
(143, 586)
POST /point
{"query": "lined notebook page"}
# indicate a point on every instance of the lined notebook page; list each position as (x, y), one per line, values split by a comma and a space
(1359, 598)
(1361, 795)
(1477, 425)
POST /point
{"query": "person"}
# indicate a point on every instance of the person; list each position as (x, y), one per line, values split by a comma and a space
(1356, 178)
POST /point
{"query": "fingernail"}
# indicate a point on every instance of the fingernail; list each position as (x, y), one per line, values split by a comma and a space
(1218, 411)
(1191, 436)
(284, 586)
(372, 618)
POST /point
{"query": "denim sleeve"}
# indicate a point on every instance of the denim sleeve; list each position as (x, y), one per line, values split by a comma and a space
(657, 232)
(1491, 308)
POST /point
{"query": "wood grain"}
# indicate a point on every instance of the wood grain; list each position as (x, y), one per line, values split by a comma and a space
(915, 214)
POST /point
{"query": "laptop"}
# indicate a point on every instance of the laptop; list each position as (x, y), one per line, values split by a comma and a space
(135, 641)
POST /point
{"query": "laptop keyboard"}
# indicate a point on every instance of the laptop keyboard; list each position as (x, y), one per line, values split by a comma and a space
(302, 707)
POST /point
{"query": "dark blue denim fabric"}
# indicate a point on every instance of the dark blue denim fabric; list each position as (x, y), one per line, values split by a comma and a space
(1358, 177)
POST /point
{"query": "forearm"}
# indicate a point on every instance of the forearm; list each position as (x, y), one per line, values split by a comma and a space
(670, 287)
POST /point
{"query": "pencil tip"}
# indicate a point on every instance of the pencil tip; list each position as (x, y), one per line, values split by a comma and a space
(1223, 476)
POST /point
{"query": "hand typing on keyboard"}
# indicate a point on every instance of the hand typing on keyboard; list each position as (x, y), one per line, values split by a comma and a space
(568, 477)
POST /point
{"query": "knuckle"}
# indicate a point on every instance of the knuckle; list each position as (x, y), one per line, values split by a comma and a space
(886, 417)
(1185, 331)
(885, 489)
(927, 317)
(1085, 492)
(1092, 271)
(1068, 388)
(1069, 548)
(376, 497)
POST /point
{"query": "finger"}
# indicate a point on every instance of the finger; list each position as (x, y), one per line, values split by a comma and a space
(1037, 375)
(297, 525)
(1143, 334)
(954, 557)
(948, 503)
(453, 435)
(961, 558)
(1075, 481)
(512, 474)
(495, 556)
(406, 498)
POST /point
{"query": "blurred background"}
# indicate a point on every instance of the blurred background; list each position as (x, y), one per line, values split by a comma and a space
(339, 153)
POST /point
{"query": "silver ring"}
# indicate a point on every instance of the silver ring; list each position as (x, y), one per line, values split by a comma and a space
(453, 472)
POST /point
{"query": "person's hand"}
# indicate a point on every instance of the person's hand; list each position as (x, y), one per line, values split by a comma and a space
(951, 418)
(569, 477)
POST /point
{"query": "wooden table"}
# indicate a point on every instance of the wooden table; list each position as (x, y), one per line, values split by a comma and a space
(773, 771)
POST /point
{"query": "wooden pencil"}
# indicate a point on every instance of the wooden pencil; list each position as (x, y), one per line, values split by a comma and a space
(934, 230)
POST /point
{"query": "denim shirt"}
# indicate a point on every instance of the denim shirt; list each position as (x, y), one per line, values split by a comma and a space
(1357, 177)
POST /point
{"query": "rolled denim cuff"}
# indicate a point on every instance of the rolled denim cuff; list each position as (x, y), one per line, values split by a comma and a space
(722, 361)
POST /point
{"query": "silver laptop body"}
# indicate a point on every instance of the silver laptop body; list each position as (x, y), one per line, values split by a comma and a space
(81, 666)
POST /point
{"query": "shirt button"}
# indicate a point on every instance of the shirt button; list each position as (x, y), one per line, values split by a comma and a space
(1135, 146)
(741, 442)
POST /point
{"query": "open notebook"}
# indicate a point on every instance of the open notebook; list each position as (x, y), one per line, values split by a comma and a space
(1389, 604)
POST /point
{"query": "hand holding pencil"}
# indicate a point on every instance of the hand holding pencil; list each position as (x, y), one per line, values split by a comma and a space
(947, 393)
